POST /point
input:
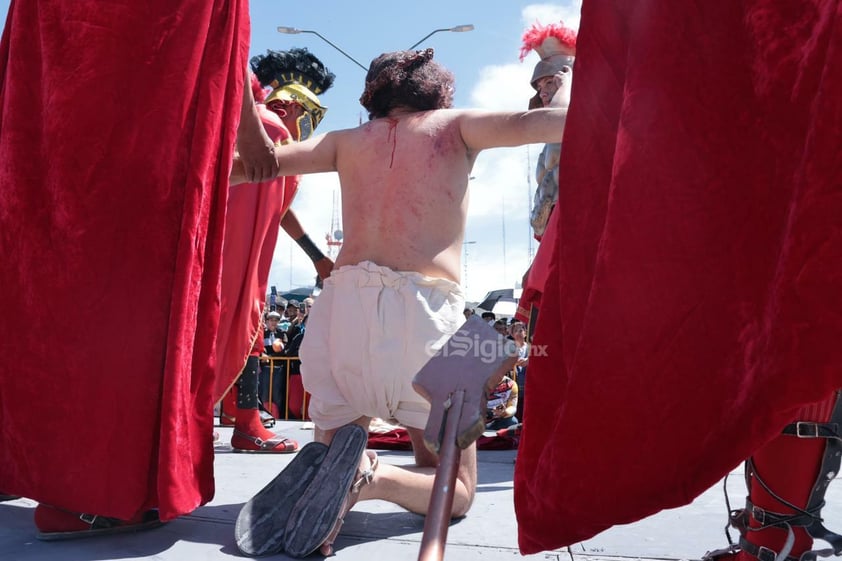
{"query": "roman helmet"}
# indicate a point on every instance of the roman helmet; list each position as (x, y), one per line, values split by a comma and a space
(295, 76)
(555, 44)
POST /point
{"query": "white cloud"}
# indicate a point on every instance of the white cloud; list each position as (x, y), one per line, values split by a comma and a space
(503, 87)
(552, 13)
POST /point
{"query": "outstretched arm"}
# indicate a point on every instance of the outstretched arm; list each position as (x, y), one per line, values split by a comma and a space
(485, 129)
(314, 155)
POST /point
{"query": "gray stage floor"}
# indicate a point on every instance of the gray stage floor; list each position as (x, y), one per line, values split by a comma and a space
(376, 530)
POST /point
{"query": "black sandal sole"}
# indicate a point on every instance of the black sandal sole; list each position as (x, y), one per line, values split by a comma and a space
(260, 525)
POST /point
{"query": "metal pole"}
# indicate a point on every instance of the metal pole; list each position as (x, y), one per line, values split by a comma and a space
(457, 29)
(337, 48)
(294, 31)
(441, 502)
(427, 36)
(465, 264)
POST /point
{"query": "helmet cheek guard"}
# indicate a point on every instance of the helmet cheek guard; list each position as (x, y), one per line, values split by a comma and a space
(314, 112)
(305, 126)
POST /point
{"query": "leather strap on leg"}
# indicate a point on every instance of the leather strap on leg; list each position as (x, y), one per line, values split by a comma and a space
(247, 385)
(809, 517)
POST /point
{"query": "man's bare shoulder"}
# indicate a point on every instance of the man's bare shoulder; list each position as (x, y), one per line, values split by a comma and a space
(437, 115)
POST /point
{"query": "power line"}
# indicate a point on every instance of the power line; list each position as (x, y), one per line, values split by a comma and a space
(531, 252)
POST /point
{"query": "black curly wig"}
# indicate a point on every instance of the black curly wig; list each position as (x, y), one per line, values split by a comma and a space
(406, 79)
(295, 65)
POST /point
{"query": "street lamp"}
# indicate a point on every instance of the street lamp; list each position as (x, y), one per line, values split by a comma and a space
(457, 29)
(294, 31)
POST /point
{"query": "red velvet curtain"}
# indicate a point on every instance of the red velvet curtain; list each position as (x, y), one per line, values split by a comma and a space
(117, 126)
(693, 302)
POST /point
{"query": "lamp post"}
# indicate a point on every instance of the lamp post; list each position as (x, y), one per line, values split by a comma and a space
(465, 259)
(456, 29)
(295, 31)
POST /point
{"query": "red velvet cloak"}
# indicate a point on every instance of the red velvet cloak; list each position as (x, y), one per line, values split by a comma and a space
(251, 233)
(693, 304)
(117, 127)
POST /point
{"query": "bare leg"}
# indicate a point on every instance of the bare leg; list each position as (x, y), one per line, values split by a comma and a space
(411, 487)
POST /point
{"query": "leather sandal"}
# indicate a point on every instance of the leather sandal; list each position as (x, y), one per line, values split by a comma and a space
(315, 515)
(260, 525)
(277, 445)
(363, 479)
(56, 524)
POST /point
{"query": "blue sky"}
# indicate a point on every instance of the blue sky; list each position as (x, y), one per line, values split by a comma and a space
(488, 75)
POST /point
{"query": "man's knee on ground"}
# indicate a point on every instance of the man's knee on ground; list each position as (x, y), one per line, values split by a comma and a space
(464, 498)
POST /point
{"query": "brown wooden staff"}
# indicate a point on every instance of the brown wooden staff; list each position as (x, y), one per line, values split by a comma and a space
(455, 382)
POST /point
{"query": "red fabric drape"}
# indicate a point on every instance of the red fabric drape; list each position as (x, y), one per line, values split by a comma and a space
(693, 301)
(117, 126)
(539, 270)
(251, 233)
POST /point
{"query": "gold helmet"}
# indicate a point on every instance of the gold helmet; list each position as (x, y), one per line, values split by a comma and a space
(295, 76)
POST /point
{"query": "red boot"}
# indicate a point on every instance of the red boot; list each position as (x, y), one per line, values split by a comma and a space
(251, 436)
(787, 482)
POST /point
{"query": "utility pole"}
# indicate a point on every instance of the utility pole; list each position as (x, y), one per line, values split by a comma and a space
(465, 264)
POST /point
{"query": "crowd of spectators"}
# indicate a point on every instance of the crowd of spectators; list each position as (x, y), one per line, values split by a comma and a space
(505, 402)
(283, 332)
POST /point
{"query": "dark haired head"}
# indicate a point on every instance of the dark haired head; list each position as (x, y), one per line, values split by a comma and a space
(409, 79)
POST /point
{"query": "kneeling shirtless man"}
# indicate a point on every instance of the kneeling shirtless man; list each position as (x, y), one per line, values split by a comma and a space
(394, 296)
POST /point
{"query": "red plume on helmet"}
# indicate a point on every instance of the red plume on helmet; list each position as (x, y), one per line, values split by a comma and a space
(549, 40)
(555, 44)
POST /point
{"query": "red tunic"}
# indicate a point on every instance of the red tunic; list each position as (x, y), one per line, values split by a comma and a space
(533, 288)
(117, 126)
(251, 233)
(693, 304)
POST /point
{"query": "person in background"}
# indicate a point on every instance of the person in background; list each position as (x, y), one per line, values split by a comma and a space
(306, 305)
(552, 80)
(274, 338)
(502, 405)
(518, 334)
(290, 113)
(274, 345)
(295, 317)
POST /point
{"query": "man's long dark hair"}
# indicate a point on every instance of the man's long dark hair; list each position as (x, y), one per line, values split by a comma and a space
(406, 79)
